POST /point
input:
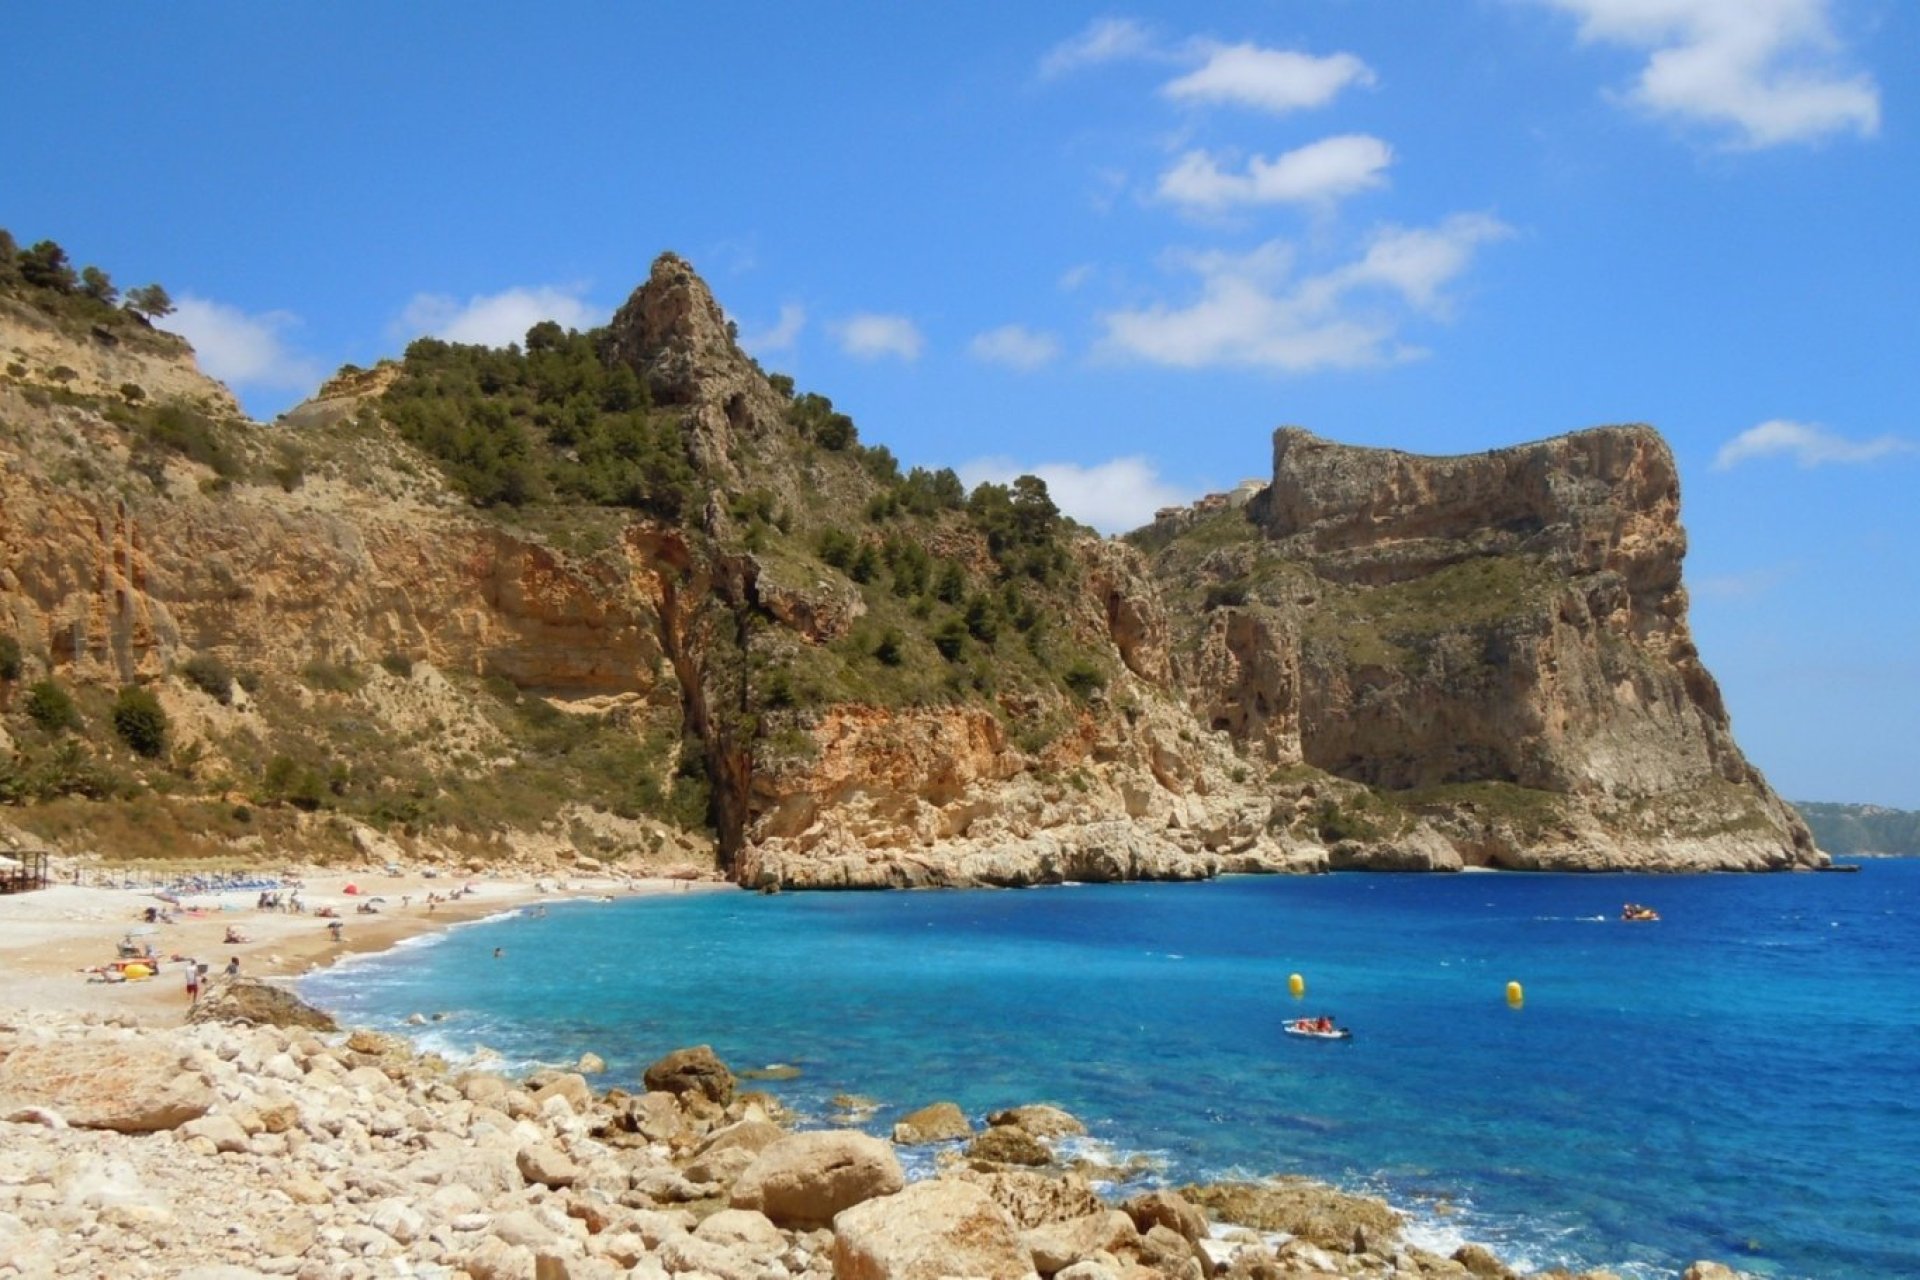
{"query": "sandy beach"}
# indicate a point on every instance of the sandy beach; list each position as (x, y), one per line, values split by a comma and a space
(53, 941)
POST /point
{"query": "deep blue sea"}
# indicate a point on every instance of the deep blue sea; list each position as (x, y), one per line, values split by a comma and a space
(1739, 1081)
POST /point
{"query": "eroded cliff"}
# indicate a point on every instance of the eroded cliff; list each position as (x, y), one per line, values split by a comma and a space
(711, 609)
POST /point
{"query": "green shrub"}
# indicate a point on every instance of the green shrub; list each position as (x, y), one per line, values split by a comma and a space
(140, 721)
(888, 649)
(983, 619)
(51, 708)
(398, 664)
(211, 676)
(289, 470)
(187, 431)
(133, 392)
(10, 660)
(1083, 678)
(837, 547)
(511, 427)
(1231, 594)
(335, 677)
(290, 782)
(950, 638)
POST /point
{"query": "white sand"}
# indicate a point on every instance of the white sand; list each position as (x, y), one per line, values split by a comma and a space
(50, 939)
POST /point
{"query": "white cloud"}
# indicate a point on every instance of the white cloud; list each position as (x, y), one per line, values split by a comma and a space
(1112, 496)
(1751, 585)
(496, 319)
(1319, 172)
(247, 350)
(1255, 312)
(784, 333)
(1276, 80)
(869, 336)
(1073, 277)
(1104, 40)
(1015, 346)
(1809, 445)
(1770, 69)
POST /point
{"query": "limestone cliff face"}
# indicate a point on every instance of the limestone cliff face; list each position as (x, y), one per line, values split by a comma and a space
(1515, 619)
(118, 587)
(1379, 660)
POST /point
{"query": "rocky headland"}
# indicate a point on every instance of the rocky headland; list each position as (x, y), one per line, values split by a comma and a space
(627, 598)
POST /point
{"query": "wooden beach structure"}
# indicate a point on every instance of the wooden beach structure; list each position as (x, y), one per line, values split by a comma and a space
(23, 870)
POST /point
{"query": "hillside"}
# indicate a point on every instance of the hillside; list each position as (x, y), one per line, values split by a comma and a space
(624, 595)
(1868, 829)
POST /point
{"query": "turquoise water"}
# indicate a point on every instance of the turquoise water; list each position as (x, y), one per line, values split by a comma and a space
(1739, 1081)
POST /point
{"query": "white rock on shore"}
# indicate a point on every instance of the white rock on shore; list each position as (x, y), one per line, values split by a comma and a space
(223, 1151)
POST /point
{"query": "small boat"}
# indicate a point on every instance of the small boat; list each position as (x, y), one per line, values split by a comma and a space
(1311, 1029)
(1633, 911)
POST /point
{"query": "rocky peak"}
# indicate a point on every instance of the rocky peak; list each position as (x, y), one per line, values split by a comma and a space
(673, 333)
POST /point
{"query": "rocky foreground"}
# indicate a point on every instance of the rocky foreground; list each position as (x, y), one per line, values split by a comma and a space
(222, 1150)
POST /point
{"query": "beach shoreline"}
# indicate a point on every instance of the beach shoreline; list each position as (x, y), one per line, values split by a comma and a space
(54, 941)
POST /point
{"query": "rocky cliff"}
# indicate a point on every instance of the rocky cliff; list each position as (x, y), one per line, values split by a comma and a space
(1496, 645)
(1376, 660)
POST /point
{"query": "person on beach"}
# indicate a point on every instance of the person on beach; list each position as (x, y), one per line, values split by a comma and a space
(233, 966)
(193, 983)
(335, 927)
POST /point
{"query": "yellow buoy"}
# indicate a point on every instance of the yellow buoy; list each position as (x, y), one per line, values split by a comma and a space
(137, 971)
(1297, 985)
(1515, 995)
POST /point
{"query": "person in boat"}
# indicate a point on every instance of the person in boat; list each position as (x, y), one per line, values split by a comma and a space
(1324, 1025)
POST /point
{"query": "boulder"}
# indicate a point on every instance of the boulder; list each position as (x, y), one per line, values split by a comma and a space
(749, 1135)
(744, 1231)
(804, 1179)
(934, 1229)
(590, 1064)
(1167, 1209)
(257, 1003)
(656, 1116)
(1033, 1199)
(494, 1259)
(377, 1044)
(1168, 1253)
(570, 1086)
(1713, 1271)
(1314, 1212)
(1481, 1261)
(939, 1122)
(722, 1167)
(128, 1086)
(1088, 1270)
(692, 1071)
(1039, 1120)
(1009, 1144)
(692, 1255)
(548, 1165)
(1058, 1245)
(224, 1132)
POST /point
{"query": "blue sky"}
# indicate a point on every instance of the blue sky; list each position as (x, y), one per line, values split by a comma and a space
(1116, 245)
